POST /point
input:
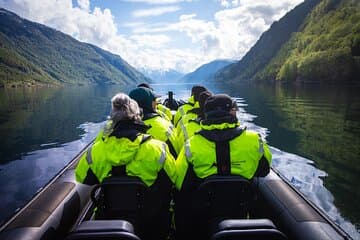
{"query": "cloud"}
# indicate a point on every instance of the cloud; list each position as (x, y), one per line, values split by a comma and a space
(182, 45)
(234, 30)
(133, 24)
(150, 41)
(157, 1)
(84, 4)
(155, 11)
(224, 3)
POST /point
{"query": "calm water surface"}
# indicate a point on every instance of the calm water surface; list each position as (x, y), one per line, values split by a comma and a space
(313, 133)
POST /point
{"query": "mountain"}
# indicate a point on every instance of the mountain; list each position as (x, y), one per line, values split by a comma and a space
(162, 76)
(32, 53)
(317, 42)
(206, 72)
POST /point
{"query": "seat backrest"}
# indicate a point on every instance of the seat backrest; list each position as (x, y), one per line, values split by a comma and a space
(128, 198)
(119, 197)
(225, 196)
(249, 234)
(104, 229)
(247, 229)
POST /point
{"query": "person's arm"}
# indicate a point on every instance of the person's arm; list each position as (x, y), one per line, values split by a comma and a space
(265, 160)
(94, 165)
(169, 165)
(83, 172)
(181, 168)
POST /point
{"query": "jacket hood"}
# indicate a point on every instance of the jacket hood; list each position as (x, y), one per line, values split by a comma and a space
(123, 143)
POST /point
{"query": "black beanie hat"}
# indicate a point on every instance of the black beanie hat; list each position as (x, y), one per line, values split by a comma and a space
(144, 97)
(202, 99)
(218, 105)
(196, 90)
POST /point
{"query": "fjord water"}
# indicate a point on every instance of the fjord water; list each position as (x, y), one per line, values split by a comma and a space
(313, 133)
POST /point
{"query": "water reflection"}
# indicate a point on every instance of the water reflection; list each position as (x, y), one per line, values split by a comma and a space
(40, 128)
(37, 117)
(318, 124)
(20, 179)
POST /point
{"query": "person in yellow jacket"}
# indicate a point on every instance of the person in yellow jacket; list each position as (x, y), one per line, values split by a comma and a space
(123, 148)
(221, 147)
(161, 109)
(192, 125)
(159, 128)
(190, 104)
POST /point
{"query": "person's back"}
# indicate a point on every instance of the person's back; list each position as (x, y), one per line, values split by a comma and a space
(221, 147)
(159, 128)
(192, 125)
(162, 130)
(164, 111)
(124, 146)
(190, 104)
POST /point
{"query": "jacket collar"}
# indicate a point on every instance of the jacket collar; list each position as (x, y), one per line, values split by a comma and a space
(129, 129)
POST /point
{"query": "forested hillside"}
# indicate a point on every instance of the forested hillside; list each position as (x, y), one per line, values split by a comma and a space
(324, 48)
(32, 53)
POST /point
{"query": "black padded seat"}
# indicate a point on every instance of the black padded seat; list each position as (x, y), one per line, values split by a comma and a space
(128, 198)
(104, 229)
(247, 229)
(225, 197)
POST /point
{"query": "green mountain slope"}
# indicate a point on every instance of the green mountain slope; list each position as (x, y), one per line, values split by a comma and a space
(33, 53)
(324, 48)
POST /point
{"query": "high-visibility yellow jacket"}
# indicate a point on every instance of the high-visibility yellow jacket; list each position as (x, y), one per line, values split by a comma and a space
(141, 155)
(182, 110)
(184, 120)
(184, 132)
(162, 130)
(164, 112)
(248, 153)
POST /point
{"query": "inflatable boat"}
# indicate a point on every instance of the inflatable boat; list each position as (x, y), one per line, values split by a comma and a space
(64, 209)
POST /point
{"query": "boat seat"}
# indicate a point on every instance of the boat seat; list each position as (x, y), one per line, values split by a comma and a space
(247, 229)
(203, 203)
(128, 198)
(119, 198)
(104, 229)
(225, 197)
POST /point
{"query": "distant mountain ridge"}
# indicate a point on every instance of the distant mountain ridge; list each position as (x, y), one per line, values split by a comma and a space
(35, 54)
(162, 76)
(206, 72)
(317, 42)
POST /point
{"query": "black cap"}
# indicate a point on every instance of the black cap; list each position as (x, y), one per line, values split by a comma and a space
(196, 90)
(145, 85)
(144, 97)
(218, 105)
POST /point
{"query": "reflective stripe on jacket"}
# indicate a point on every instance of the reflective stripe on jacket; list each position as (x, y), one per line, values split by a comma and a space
(246, 150)
(182, 110)
(184, 120)
(187, 131)
(164, 112)
(162, 130)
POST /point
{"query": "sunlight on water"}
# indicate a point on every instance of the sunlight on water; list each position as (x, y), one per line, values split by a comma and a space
(308, 179)
(300, 172)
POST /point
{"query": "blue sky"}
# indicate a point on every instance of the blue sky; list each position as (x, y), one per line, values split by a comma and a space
(160, 34)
